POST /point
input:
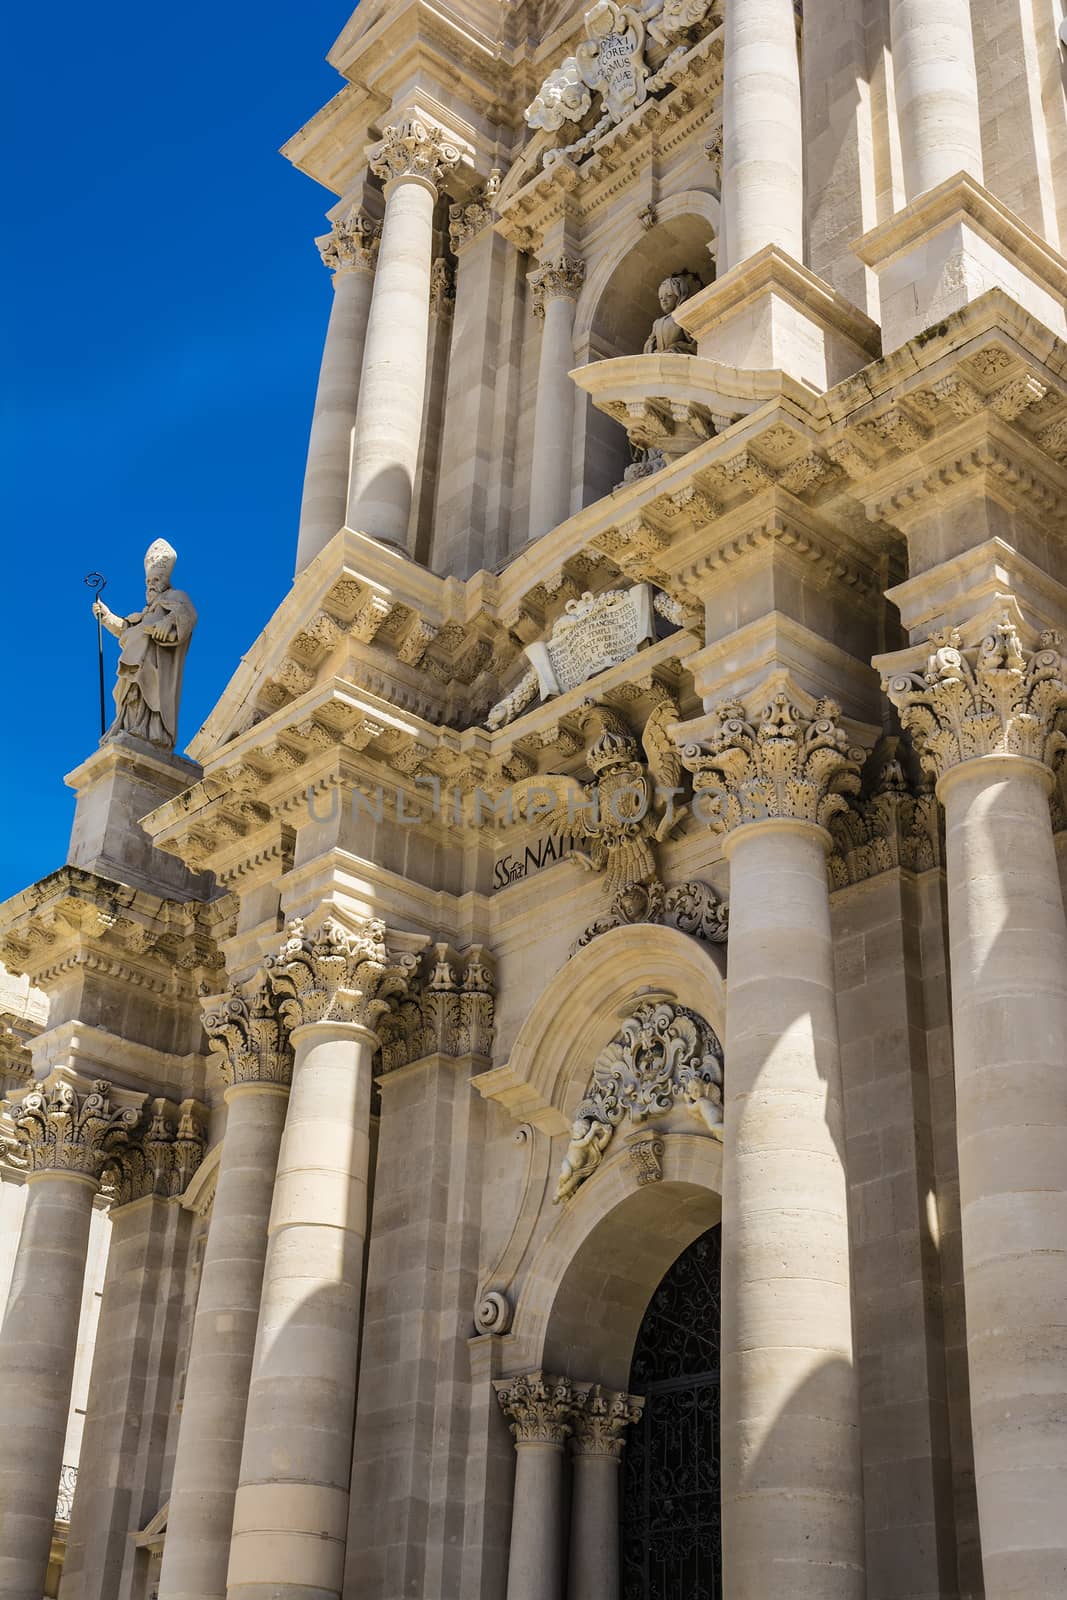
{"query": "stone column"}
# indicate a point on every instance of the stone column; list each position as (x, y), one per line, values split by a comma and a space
(541, 1412)
(556, 286)
(792, 1488)
(763, 143)
(936, 86)
(291, 1510)
(596, 1451)
(131, 1397)
(255, 1060)
(984, 720)
(350, 251)
(412, 160)
(66, 1132)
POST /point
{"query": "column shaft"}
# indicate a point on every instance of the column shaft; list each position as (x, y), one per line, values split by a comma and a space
(763, 145)
(792, 1496)
(553, 437)
(594, 1548)
(322, 510)
(535, 1564)
(936, 85)
(38, 1344)
(385, 445)
(292, 1504)
(208, 1457)
(1008, 944)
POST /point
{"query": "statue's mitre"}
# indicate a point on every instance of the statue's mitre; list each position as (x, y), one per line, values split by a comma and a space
(159, 559)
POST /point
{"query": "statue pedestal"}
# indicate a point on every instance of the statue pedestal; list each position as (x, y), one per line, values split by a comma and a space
(122, 782)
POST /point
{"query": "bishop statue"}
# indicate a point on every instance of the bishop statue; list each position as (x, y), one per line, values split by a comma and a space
(154, 643)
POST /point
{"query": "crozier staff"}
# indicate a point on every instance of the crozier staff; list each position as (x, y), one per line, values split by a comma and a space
(154, 643)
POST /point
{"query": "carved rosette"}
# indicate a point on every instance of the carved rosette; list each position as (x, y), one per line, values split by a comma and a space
(339, 974)
(782, 764)
(663, 1056)
(539, 1409)
(995, 699)
(352, 246)
(601, 1423)
(162, 1159)
(248, 1035)
(414, 148)
(59, 1128)
(449, 1013)
(561, 279)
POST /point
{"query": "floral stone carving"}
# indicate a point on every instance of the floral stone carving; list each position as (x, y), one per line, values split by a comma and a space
(339, 974)
(161, 1160)
(248, 1035)
(664, 1056)
(59, 1128)
(539, 1409)
(601, 1423)
(414, 148)
(450, 1013)
(353, 243)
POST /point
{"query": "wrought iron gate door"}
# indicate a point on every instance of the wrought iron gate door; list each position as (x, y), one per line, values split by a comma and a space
(670, 1522)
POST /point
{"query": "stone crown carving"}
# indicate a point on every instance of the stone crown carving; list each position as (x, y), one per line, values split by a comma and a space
(339, 974)
(561, 279)
(60, 1128)
(539, 1409)
(449, 1013)
(160, 1160)
(249, 1037)
(414, 148)
(601, 1423)
(782, 764)
(996, 698)
(352, 244)
(663, 1056)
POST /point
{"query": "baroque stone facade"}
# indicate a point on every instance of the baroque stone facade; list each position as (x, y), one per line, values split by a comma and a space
(560, 1093)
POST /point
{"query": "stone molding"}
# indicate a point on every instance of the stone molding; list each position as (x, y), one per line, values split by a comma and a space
(601, 1423)
(162, 1159)
(449, 1012)
(995, 698)
(414, 148)
(663, 1056)
(783, 764)
(353, 243)
(339, 974)
(540, 1409)
(59, 1127)
(559, 279)
(248, 1036)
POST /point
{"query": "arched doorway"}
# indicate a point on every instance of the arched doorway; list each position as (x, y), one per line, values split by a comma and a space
(670, 1518)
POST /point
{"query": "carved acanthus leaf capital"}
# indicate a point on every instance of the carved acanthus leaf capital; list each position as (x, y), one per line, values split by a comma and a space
(161, 1159)
(448, 1012)
(540, 1409)
(339, 974)
(465, 221)
(353, 243)
(781, 764)
(442, 289)
(996, 698)
(601, 1423)
(414, 148)
(61, 1128)
(247, 1033)
(896, 823)
(561, 279)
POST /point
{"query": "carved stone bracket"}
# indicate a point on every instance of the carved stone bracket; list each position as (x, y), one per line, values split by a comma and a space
(997, 698)
(663, 1056)
(60, 1128)
(339, 974)
(561, 279)
(601, 1423)
(449, 1013)
(353, 243)
(162, 1159)
(249, 1036)
(414, 148)
(540, 1409)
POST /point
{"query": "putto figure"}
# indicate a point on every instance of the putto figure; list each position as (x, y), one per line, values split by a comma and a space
(154, 643)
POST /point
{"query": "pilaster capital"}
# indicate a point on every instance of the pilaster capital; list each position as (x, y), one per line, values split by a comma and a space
(249, 1037)
(560, 279)
(449, 1012)
(62, 1127)
(414, 148)
(442, 289)
(780, 763)
(160, 1160)
(601, 1423)
(352, 245)
(540, 1409)
(465, 221)
(994, 698)
(339, 974)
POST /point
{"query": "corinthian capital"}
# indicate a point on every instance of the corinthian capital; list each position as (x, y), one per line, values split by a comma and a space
(339, 974)
(561, 279)
(449, 1012)
(249, 1037)
(997, 698)
(162, 1159)
(539, 1409)
(601, 1423)
(414, 148)
(353, 243)
(61, 1128)
(781, 764)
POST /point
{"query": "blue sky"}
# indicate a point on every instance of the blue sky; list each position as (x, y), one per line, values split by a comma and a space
(163, 314)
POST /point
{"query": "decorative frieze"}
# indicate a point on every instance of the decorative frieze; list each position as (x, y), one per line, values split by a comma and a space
(561, 279)
(248, 1035)
(449, 1013)
(782, 764)
(352, 245)
(663, 1056)
(59, 1127)
(162, 1159)
(540, 1409)
(414, 148)
(601, 1422)
(339, 974)
(996, 698)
